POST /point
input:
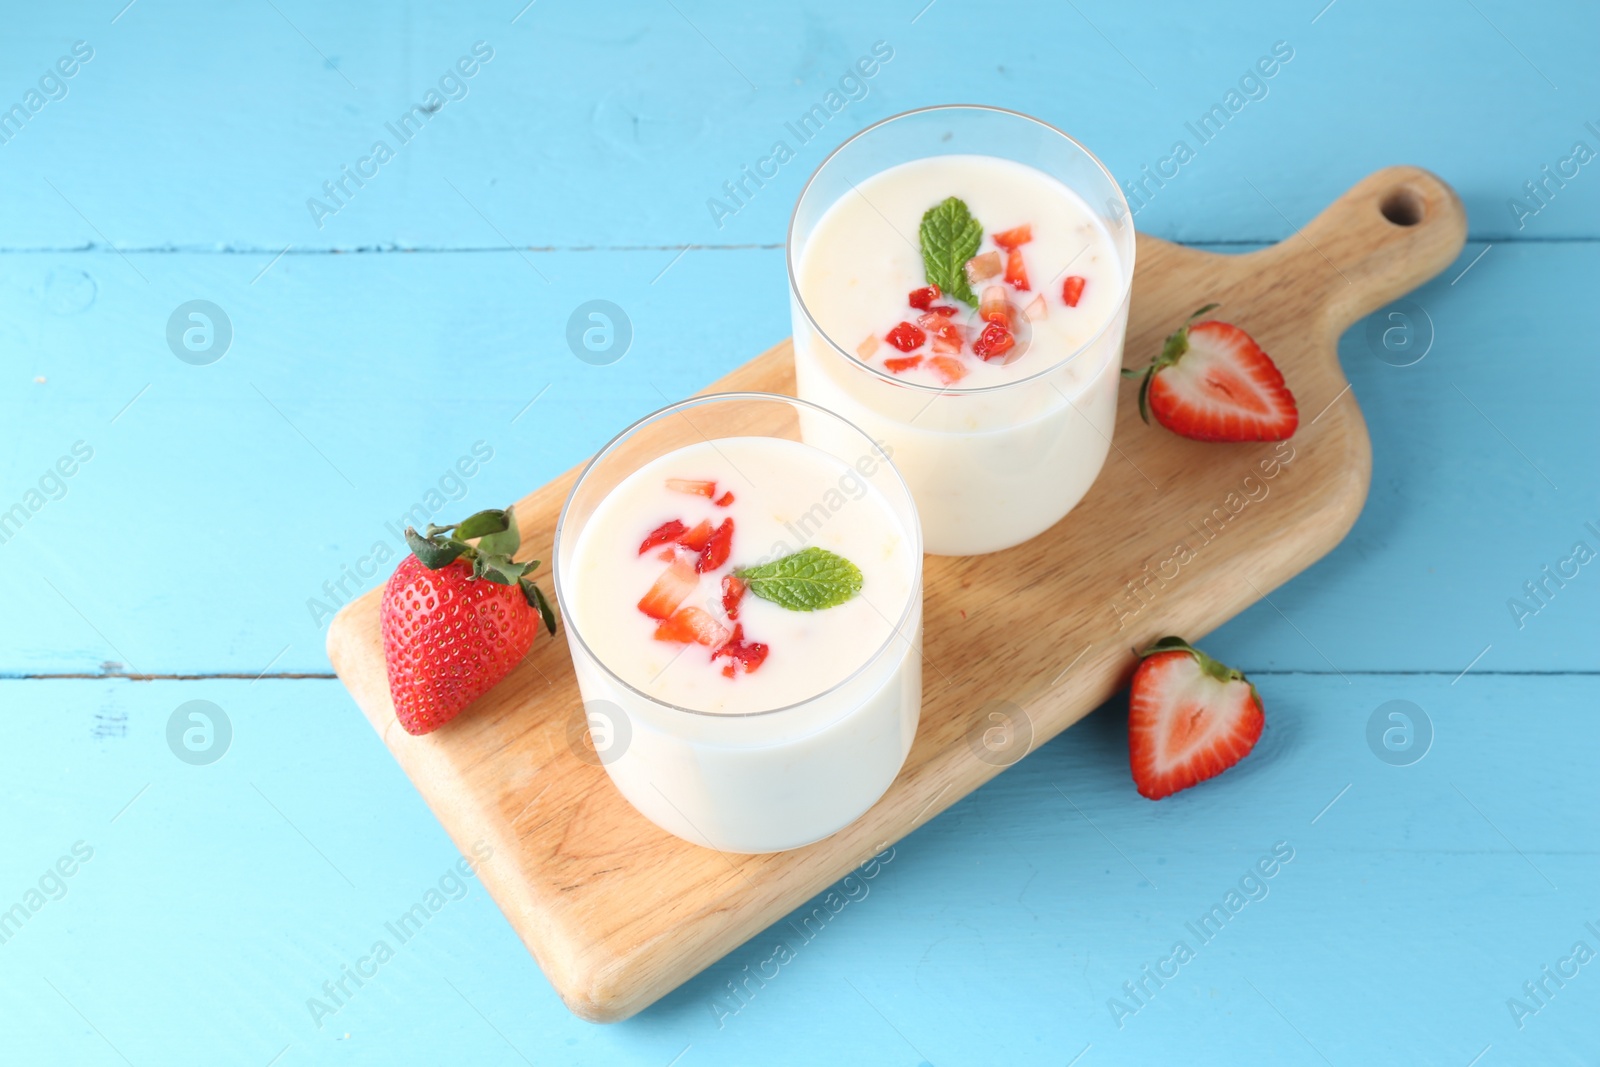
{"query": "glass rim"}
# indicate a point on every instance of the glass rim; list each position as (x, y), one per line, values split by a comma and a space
(915, 530)
(794, 285)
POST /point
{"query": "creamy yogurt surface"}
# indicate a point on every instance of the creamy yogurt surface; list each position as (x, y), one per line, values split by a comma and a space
(863, 258)
(785, 496)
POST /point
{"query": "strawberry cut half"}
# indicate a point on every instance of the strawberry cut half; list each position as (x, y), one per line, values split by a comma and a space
(665, 534)
(733, 588)
(1189, 718)
(692, 487)
(923, 298)
(1212, 382)
(1015, 237)
(905, 337)
(741, 654)
(902, 364)
(1072, 290)
(670, 590)
(692, 626)
(717, 548)
(1016, 271)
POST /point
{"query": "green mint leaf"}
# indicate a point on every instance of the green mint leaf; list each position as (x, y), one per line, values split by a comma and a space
(808, 580)
(950, 236)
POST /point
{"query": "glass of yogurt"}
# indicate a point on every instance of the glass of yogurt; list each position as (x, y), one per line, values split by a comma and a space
(959, 280)
(740, 576)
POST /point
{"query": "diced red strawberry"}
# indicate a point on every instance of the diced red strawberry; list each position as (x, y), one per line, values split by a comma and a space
(1037, 310)
(696, 539)
(692, 626)
(664, 534)
(995, 306)
(715, 554)
(922, 298)
(948, 336)
(1212, 382)
(866, 348)
(725, 499)
(1072, 289)
(740, 653)
(670, 590)
(732, 592)
(993, 343)
(949, 370)
(693, 488)
(902, 364)
(945, 310)
(1189, 718)
(1015, 237)
(668, 554)
(906, 337)
(982, 267)
(1016, 271)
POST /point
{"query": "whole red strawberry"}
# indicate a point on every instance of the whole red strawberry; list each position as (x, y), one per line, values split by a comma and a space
(1212, 382)
(457, 616)
(1189, 718)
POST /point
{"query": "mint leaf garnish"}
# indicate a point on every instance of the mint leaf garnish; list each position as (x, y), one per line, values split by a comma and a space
(950, 236)
(808, 580)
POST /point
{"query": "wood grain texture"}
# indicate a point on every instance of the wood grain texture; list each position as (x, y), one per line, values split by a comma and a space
(618, 913)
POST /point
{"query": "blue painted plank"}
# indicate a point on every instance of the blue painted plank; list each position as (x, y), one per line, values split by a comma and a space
(219, 898)
(220, 124)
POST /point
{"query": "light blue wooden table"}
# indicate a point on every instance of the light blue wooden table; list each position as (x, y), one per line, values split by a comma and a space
(191, 913)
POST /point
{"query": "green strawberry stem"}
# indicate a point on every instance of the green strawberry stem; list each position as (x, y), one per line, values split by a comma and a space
(1176, 345)
(487, 540)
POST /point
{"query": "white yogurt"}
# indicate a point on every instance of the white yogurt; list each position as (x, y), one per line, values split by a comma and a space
(748, 760)
(1005, 452)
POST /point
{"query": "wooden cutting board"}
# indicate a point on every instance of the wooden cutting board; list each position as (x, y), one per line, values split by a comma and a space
(1175, 537)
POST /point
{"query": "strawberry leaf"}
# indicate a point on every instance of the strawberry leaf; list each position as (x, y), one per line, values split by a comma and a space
(504, 543)
(809, 580)
(492, 521)
(537, 600)
(950, 236)
(433, 554)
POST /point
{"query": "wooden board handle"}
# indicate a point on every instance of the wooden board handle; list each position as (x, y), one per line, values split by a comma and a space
(1388, 234)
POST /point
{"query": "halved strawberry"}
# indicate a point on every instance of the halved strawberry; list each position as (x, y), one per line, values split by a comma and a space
(696, 539)
(1072, 290)
(725, 499)
(1015, 237)
(715, 554)
(1189, 718)
(922, 298)
(692, 487)
(733, 588)
(949, 369)
(664, 534)
(905, 337)
(902, 364)
(670, 590)
(692, 626)
(993, 343)
(1212, 382)
(1016, 271)
(746, 654)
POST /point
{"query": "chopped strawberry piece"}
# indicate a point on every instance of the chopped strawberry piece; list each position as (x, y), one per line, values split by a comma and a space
(1014, 238)
(664, 534)
(906, 337)
(670, 590)
(692, 626)
(993, 343)
(949, 370)
(945, 310)
(1037, 310)
(1016, 272)
(725, 499)
(995, 307)
(696, 539)
(1072, 289)
(981, 267)
(948, 336)
(866, 348)
(693, 488)
(922, 298)
(740, 653)
(732, 592)
(715, 554)
(903, 363)
(668, 554)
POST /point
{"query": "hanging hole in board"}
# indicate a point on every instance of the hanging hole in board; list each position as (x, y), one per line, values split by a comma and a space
(1403, 207)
